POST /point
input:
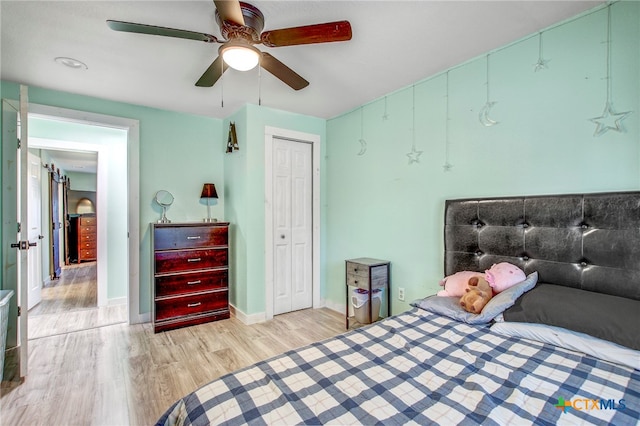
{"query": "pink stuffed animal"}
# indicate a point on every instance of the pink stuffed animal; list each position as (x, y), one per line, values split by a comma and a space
(457, 284)
(503, 275)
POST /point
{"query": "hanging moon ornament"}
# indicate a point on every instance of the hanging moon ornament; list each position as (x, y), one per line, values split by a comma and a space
(363, 147)
(484, 118)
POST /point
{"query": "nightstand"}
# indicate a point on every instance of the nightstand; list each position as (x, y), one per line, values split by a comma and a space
(368, 274)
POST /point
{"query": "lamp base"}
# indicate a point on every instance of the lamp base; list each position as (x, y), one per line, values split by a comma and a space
(210, 220)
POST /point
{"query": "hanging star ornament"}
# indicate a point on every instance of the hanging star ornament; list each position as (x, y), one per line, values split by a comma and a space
(414, 155)
(447, 167)
(541, 64)
(609, 120)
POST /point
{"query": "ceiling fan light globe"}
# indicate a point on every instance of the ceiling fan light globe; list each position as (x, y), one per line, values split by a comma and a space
(241, 58)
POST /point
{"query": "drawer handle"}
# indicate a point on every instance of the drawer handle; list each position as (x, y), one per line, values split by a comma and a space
(196, 237)
(195, 259)
(355, 269)
(355, 281)
(193, 305)
(194, 282)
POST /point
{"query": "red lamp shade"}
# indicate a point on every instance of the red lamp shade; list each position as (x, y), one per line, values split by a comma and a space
(209, 191)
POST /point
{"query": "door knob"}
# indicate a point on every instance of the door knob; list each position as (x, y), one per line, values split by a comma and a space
(282, 236)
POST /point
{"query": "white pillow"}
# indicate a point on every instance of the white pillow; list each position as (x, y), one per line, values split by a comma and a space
(572, 340)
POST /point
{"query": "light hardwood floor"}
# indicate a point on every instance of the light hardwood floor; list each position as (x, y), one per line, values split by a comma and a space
(121, 374)
(70, 303)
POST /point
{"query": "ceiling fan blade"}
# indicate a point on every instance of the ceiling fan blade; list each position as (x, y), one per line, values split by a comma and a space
(213, 73)
(131, 27)
(308, 34)
(283, 72)
(229, 10)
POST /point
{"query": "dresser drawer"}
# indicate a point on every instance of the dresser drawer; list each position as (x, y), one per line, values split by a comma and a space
(194, 304)
(88, 254)
(189, 237)
(88, 221)
(190, 282)
(190, 260)
(358, 275)
(87, 245)
(86, 236)
(358, 269)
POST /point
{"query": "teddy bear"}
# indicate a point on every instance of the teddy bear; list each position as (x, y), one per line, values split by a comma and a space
(500, 277)
(477, 295)
(503, 275)
(457, 284)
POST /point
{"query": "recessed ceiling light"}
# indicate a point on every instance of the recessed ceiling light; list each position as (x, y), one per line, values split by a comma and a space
(71, 63)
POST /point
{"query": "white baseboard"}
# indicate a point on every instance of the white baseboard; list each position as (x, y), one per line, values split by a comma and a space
(117, 301)
(142, 318)
(247, 319)
(334, 306)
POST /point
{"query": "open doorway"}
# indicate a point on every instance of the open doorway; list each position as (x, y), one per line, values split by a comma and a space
(69, 278)
(88, 163)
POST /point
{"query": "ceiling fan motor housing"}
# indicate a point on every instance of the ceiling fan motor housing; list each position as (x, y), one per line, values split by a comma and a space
(250, 31)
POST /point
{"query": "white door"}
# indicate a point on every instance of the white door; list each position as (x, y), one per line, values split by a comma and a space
(292, 226)
(34, 225)
(15, 243)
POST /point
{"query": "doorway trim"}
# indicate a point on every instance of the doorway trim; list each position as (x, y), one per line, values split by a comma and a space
(132, 128)
(272, 133)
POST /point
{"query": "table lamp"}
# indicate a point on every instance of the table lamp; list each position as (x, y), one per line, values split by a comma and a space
(209, 192)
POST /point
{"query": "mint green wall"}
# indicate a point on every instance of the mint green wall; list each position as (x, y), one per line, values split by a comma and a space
(178, 152)
(244, 187)
(235, 208)
(82, 181)
(381, 206)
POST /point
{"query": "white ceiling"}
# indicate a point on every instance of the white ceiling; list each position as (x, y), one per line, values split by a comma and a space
(74, 161)
(395, 43)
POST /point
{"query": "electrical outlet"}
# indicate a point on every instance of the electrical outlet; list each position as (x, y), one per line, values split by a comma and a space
(401, 293)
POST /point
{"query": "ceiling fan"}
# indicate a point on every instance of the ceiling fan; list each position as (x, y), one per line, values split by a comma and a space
(241, 26)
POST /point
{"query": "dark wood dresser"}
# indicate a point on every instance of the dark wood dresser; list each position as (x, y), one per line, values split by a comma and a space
(83, 238)
(190, 273)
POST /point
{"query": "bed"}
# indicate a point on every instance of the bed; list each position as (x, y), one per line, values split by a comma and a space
(562, 347)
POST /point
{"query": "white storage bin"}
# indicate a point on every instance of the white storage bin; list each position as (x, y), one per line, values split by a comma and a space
(360, 302)
(5, 296)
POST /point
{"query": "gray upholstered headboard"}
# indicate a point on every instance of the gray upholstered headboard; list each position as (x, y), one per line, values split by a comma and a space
(587, 241)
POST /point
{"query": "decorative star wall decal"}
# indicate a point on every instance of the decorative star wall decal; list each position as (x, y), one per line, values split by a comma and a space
(609, 120)
(414, 155)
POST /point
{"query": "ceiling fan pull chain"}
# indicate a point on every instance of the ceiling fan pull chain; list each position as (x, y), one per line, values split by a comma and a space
(222, 84)
(259, 85)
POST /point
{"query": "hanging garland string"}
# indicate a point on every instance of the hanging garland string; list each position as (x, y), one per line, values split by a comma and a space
(447, 165)
(414, 155)
(363, 142)
(609, 120)
(483, 116)
(542, 63)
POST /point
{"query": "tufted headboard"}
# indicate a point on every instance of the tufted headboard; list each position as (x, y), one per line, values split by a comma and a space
(587, 241)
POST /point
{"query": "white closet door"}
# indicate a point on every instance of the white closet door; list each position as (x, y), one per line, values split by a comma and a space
(292, 196)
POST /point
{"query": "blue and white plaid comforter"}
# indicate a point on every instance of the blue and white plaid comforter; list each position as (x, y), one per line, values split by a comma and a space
(419, 368)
